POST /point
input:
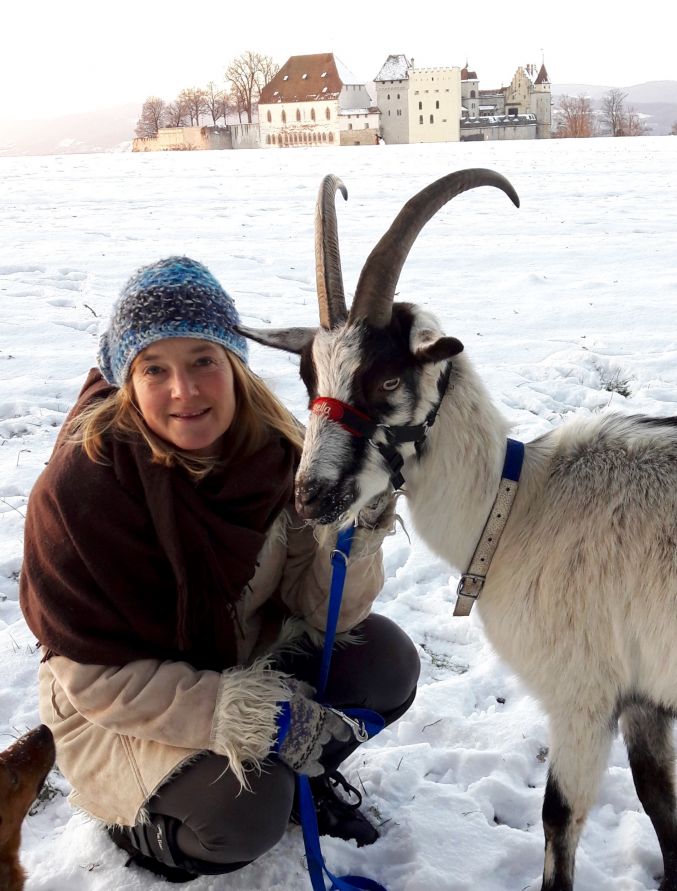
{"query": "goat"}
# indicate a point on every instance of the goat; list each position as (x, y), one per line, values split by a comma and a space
(581, 596)
(23, 769)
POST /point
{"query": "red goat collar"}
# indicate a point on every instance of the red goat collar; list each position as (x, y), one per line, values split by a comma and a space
(351, 419)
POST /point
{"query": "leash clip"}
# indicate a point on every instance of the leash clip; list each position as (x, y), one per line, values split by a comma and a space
(357, 727)
(336, 552)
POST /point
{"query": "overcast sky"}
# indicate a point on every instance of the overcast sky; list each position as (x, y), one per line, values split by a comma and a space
(79, 55)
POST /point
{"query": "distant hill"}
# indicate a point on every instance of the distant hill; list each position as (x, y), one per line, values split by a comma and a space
(657, 99)
(105, 130)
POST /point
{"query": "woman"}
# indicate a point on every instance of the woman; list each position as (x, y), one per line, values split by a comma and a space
(166, 575)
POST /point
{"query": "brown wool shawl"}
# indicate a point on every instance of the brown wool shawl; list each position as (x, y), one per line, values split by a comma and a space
(132, 560)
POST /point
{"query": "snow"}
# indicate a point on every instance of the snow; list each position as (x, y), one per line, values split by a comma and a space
(561, 305)
(394, 68)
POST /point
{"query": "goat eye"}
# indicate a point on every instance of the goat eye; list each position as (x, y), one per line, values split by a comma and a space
(391, 384)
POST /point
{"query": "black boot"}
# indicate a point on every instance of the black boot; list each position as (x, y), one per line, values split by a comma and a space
(153, 846)
(336, 816)
(135, 841)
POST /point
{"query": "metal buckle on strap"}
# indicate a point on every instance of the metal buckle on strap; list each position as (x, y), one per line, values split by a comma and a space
(470, 585)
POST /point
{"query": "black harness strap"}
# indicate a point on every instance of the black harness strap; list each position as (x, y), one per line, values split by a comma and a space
(357, 423)
(396, 435)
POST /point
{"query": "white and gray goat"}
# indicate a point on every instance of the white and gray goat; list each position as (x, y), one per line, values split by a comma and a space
(581, 596)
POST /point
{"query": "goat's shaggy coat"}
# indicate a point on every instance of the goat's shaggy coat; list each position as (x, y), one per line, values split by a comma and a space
(581, 597)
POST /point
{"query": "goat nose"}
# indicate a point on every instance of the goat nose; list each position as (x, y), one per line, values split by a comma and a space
(308, 498)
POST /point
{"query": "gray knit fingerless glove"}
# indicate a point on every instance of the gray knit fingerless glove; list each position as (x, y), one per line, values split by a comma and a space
(312, 726)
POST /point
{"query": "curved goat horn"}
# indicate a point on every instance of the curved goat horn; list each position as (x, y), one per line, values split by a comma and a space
(328, 275)
(376, 288)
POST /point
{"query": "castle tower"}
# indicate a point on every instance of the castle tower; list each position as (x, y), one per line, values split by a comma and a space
(542, 104)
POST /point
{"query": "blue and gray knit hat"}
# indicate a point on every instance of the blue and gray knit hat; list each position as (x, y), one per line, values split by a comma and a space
(176, 297)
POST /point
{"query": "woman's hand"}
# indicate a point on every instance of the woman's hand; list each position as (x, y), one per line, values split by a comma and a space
(310, 727)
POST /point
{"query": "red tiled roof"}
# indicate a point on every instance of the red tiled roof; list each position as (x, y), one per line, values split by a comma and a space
(304, 79)
(467, 74)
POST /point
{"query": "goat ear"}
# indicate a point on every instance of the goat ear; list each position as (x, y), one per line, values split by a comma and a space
(429, 345)
(439, 350)
(292, 340)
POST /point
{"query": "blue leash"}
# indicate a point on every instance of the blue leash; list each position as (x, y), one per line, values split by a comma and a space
(372, 722)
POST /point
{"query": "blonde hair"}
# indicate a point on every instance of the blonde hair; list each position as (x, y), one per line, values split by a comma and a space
(257, 412)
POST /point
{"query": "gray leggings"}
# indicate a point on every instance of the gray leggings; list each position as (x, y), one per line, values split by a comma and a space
(210, 826)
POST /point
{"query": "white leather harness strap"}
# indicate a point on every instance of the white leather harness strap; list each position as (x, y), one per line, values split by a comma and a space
(472, 581)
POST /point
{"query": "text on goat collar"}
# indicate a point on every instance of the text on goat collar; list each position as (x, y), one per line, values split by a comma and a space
(472, 581)
(351, 419)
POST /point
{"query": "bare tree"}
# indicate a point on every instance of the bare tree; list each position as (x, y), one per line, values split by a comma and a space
(214, 102)
(634, 126)
(152, 117)
(620, 121)
(194, 101)
(229, 107)
(175, 113)
(576, 118)
(613, 111)
(247, 75)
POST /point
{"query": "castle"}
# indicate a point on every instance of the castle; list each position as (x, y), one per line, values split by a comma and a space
(314, 100)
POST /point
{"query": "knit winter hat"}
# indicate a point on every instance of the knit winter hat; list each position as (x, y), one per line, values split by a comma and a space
(175, 297)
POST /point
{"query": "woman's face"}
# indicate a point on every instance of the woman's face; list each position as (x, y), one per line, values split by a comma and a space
(184, 390)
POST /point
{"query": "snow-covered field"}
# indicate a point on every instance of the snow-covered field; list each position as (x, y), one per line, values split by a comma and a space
(567, 304)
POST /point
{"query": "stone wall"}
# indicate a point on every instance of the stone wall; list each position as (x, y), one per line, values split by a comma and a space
(188, 139)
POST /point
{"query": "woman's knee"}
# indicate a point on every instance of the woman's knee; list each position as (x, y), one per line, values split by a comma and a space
(379, 672)
(252, 823)
(219, 822)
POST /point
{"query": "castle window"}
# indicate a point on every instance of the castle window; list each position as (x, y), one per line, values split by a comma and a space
(331, 137)
(269, 117)
(350, 126)
(437, 103)
(432, 119)
(420, 119)
(420, 106)
(284, 116)
(388, 95)
(312, 114)
(298, 114)
(327, 114)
